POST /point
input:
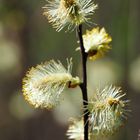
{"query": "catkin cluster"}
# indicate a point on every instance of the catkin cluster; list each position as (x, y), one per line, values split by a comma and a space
(44, 84)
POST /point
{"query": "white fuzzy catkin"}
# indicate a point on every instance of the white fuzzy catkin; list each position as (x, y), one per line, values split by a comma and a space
(76, 130)
(107, 111)
(68, 12)
(96, 42)
(43, 85)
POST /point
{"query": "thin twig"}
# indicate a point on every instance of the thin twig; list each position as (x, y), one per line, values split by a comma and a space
(83, 86)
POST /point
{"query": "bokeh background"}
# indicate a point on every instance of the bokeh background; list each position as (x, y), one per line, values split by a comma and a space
(26, 39)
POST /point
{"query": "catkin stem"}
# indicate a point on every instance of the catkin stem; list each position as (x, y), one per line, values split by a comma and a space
(83, 86)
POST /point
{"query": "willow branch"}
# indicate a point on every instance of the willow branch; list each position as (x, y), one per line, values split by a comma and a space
(83, 86)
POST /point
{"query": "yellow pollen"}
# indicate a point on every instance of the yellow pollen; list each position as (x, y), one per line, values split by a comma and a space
(63, 78)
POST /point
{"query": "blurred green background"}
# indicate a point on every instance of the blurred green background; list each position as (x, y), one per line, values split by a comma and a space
(26, 39)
